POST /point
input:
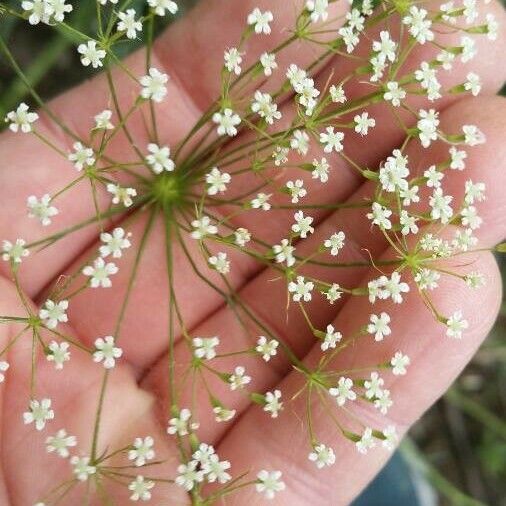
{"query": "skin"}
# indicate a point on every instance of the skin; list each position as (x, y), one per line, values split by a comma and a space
(253, 441)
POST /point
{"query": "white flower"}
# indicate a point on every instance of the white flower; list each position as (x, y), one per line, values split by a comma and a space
(181, 425)
(40, 11)
(204, 348)
(385, 47)
(261, 201)
(269, 483)
(394, 93)
(332, 140)
(142, 450)
(216, 469)
(332, 337)
(363, 123)
(470, 218)
(475, 279)
(427, 126)
(233, 60)
(380, 215)
(280, 155)
(337, 94)
(123, 195)
(394, 287)
(222, 414)
(321, 170)
(91, 55)
(60, 8)
(203, 227)
(399, 363)
(408, 223)
(99, 273)
(40, 413)
(343, 391)
(220, 262)
(474, 192)
(373, 387)
(203, 453)
(159, 158)
(41, 208)
(391, 437)
(4, 366)
(273, 404)
(82, 156)
(227, 122)
(217, 181)
(383, 402)
(188, 475)
(318, 9)
(296, 190)
(301, 289)
(393, 173)
(260, 21)
(419, 26)
(140, 489)
(300, 142)
(21, 119)
(127, 23)
(302, 225)
(54, 313)
(103, 120)
(440, 206)
(433, 176)
(114, 243)
(160, 6)
(322, 456)
(472, 135)
(284, 253)
(366, 442)
(266, 348)
(473, 83)
(58, 353)
(379, 326)
(455, 325)
(427, 279)
(242, 236)
(82, 468)
(106, 352)
(154, 85)
(268, 62)
(14, 252)
(60, 443)
(239, 378)
(265, 107)
(335, 243)
(469, 50)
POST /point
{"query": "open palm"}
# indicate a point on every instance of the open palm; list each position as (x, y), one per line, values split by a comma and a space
(137, 402)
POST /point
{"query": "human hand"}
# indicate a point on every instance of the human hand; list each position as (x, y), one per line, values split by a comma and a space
(137, 401)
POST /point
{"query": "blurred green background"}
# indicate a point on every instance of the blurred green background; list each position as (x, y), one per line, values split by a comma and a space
(460, 444)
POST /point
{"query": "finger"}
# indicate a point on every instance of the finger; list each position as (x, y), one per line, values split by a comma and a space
(435, 362)
(289, 324)
(75, 403)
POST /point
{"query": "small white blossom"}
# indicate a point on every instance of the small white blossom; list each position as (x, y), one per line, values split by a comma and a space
(335, 243)
(159, 158)
(332, 140)
(284, 252)
(4, 366)
(114, 243)
(60, 443)
(21, 119)
(188, 476)
(322, 456)
(239, 378)
(100, 272)
(39, 413)
(268, 62)
(300, 142)
(366, 442)
(269, 483)
(302, 225)
(296, 190)
(140, 489)
(154, 85)
(91, 55)
(127, 23)
(205, 348)
(121, 195)
(363, 122)
(233, 60)
(227, 122)
(53, 313)
(106, 351)
(261, 201)
(222, 414)
(399, 363)
(301, 289)
(379, 326)
(103, 120)
(343, 391)
(220, 262)
(160, 6)
(82, 468)
(82, 156)
(380, 215)
(321, 170)
(273, 404)
(265, 107)
(142, 450)
(181, 425)
(58, 353)
(203, 227)
(41, 209)
(332, 337)
(394, 93)
(14, 252)
(455, 325)
(261, 21)
(267, 348)
(242, 236)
